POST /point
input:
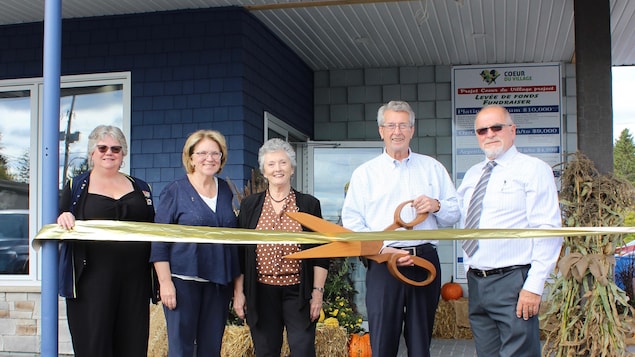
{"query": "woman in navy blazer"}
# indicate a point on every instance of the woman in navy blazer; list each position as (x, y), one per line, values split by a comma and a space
(196, 279)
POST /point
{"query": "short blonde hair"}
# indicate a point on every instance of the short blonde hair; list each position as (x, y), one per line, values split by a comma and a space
(194, 139)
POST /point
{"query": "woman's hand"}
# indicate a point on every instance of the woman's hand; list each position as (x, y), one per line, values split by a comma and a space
(166, 285)
(66, 220)
(316, 304)
(239, 305)
(168, 294)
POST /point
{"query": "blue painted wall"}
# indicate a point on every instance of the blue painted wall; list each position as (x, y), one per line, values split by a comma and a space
(198, 69)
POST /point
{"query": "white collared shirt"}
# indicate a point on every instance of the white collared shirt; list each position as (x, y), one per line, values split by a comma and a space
(521, 193)
(379, 185)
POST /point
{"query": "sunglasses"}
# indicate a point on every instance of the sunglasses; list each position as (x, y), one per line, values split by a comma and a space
(495, 128)
(104, 148)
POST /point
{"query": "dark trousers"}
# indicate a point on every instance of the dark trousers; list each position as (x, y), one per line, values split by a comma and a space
(392, 304)
(492, 310)
(280, 306)
(111, 316)
(199, 317)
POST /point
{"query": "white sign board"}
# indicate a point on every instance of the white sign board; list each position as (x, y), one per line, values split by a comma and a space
(530, 92)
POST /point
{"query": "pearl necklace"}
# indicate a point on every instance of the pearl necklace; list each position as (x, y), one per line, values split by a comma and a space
(276, 201)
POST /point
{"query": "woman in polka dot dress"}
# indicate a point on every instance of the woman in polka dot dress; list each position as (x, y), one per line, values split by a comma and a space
(274, 292)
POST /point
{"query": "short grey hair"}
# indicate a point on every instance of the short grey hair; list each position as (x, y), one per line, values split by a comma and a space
(396, 106)
(99, 133)
(273, 145)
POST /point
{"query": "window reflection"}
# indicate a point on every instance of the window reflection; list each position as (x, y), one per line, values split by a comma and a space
(15, 119)
(81, 110)
(333, 168)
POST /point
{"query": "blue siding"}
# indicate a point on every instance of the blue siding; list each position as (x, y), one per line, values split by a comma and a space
(198, 69)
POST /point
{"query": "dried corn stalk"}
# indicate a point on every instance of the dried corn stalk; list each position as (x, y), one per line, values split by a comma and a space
(589, 308)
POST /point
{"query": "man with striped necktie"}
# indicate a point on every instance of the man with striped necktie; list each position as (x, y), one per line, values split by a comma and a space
(506, 277)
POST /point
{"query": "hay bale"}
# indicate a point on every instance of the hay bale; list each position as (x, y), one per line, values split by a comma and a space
(448, 323)
(237, 342)
(329, 342)
(444, 323)
(158, 338)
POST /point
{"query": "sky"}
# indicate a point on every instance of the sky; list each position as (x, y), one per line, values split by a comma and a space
(623, 100)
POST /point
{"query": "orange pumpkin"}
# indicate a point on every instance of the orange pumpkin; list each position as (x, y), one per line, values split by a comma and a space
(359, 345)
(451, 290)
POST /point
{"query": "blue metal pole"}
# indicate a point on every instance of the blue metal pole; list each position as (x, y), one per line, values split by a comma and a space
(50, 171)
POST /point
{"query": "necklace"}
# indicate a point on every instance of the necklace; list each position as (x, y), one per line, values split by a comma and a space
(278, 201)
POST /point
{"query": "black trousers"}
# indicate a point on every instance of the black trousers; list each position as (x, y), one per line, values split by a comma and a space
(111, 315)
(279, 306)
(392, 304)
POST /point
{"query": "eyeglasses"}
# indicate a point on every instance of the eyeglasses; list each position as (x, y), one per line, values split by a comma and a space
(393, 126)
(104, 148)
(213, 154)
(495, 128)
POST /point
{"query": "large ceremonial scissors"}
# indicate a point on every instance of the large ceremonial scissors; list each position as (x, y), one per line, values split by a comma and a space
(366, 249)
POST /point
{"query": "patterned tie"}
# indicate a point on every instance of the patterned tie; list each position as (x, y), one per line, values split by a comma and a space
(475, 207)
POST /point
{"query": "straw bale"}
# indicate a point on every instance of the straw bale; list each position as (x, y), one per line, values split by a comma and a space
(446, 323)
(237, 342)
(329, 341)
(158, 339)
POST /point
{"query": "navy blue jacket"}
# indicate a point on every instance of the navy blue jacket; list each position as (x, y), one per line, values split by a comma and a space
(181, 204)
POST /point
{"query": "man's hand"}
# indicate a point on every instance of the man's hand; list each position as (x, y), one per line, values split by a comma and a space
(425, 204)
(403, 261)
(528, 304)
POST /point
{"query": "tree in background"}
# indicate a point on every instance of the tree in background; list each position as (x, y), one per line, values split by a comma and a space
(624, 156)
(624, 167)
(4, 165)
(24, 168)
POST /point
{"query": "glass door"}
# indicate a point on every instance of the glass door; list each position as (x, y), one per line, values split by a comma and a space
(331, 166)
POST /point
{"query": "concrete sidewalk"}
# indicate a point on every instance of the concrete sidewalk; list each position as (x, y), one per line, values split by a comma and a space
(439, 348)
(449, 348)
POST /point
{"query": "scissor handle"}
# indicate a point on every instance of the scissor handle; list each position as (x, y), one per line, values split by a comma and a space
(398, 222)
(418, 261)
(391, 260)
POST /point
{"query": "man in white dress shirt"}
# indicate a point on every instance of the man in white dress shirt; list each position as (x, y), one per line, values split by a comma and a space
(376, 188)
(506, 277)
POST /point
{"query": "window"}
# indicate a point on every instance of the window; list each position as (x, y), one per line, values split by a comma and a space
(85, 102)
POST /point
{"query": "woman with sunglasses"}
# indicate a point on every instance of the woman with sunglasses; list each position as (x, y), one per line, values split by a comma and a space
(196, 280)
(107, 285)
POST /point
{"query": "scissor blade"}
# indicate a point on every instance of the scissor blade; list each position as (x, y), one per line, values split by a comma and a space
(317, 224)
(339, 249)
(330, 250)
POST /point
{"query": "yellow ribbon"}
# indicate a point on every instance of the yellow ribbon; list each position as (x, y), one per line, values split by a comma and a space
(576, 265)
(155, 232)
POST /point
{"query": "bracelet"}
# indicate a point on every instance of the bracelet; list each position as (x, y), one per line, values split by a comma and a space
(439, 203)
(319, 289)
